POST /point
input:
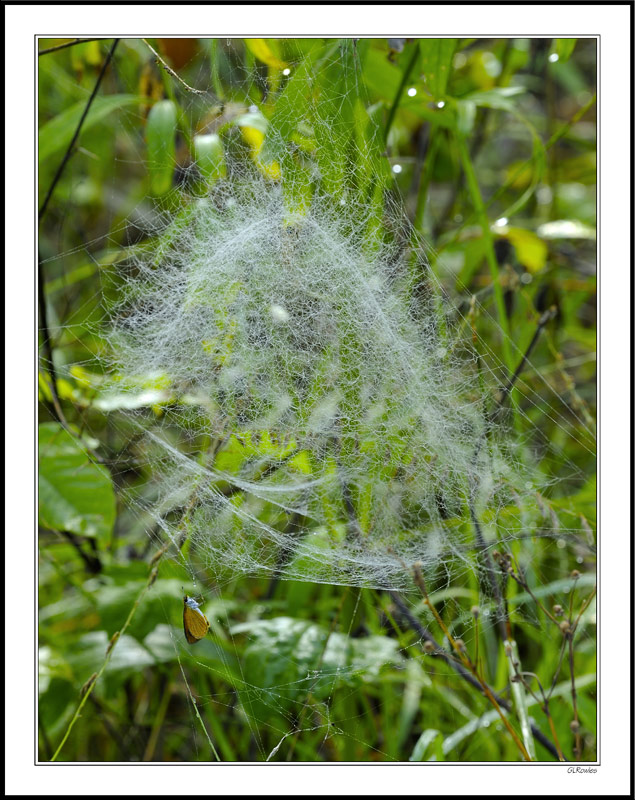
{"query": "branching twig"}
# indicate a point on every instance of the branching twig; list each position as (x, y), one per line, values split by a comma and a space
(504, 392)
(171, 72)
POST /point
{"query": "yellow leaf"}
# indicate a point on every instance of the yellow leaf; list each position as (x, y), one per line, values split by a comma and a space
(531, 251)
(254, 139)
(264, 53)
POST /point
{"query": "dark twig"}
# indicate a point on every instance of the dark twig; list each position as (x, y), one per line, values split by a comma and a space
(293, 529)
(499, 399)
(504, 392)
(48, 348)
(65, 45)
(69, 149)
(91, 560)
(170, 71)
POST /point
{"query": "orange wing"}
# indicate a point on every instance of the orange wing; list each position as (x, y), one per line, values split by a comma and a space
(195, 625)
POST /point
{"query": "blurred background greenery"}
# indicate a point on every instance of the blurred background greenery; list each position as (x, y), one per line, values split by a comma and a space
(490, 146)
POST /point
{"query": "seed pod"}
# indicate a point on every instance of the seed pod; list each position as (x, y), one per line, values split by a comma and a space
(160, 140)
(210, 158)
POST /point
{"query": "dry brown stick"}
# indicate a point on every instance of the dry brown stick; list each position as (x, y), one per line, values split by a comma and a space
(170, 71)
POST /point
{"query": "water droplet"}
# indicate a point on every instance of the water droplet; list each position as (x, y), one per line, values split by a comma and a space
(561, 544)
(396, 168)
(286, 71)
(441, 103)
(526, 277)
(579, 559)
(554, 57)
(278, 313)
(500, 223)
(412, 91)
(253, 109)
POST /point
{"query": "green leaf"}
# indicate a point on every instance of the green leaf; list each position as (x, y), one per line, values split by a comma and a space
(465, 116)
(75, 494)
(282, 651)
(381, 76)
(160, 140)
(498, 98)
(563, 48)
(423, 742)
(56, 134)
(436, 64)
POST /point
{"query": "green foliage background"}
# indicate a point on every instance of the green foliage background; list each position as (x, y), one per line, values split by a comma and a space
(466, 133)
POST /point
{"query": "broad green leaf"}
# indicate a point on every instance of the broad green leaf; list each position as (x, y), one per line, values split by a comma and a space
(436, 64)
(56, 134)
(160, 140)
(75, 494)
(381, 76)
(55, 702)
(282, 651)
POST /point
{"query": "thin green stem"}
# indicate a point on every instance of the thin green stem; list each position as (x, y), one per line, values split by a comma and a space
(490, 255)
(109, 653)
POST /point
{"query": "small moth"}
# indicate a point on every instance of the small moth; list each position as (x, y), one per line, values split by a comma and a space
(195, 623)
